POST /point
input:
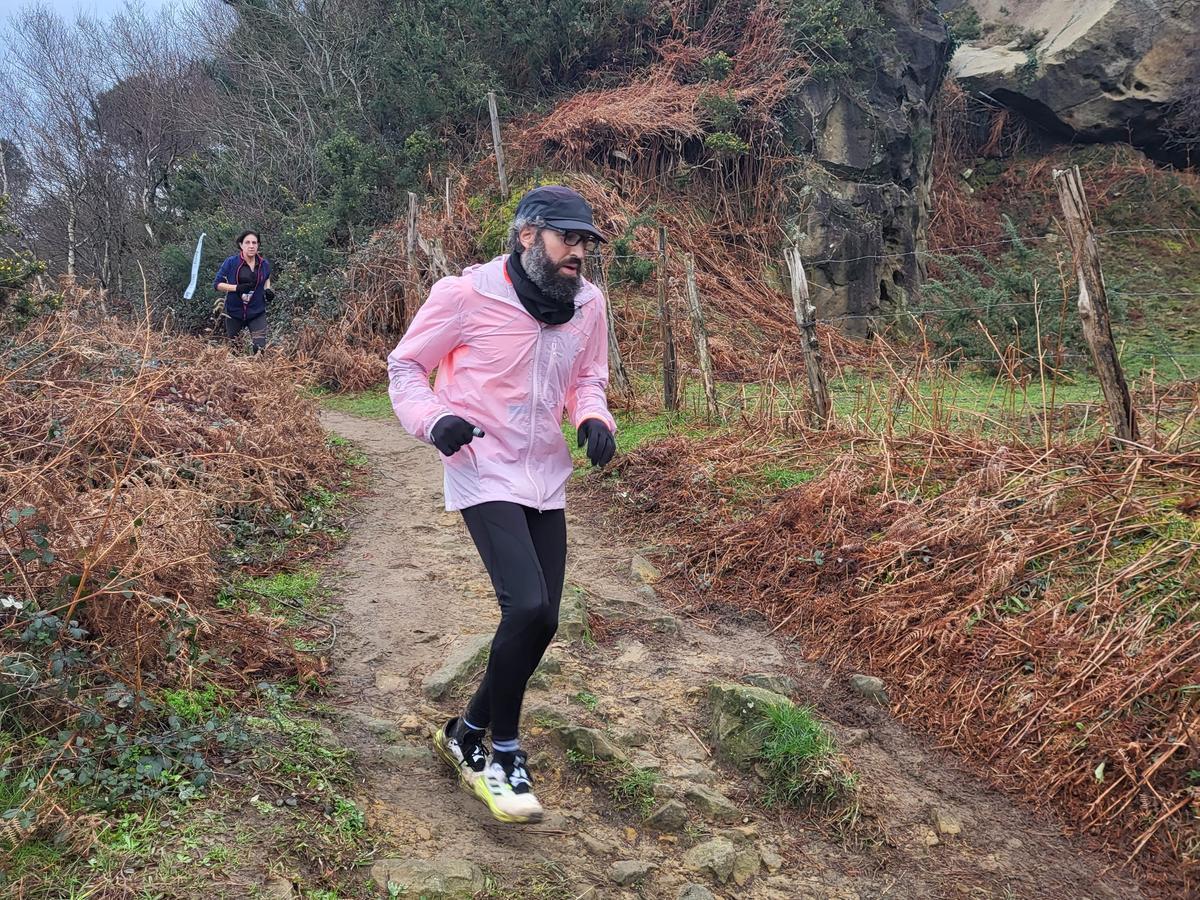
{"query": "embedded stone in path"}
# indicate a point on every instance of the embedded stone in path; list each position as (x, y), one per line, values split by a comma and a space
(629, 871)
(745, 865)
(572, 615)
(641, 569)
(712, 804)
(695, 892)
(588, 741)
(780, 684)
(671, 816)
(739, 712)
(460, 663)
(944, 821)
(714, 858)
(870, 687)
(434, 879)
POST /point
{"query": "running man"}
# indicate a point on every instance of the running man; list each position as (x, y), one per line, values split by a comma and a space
(514, 341)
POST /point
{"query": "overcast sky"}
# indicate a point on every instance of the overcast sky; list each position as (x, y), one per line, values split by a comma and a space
(69, 8)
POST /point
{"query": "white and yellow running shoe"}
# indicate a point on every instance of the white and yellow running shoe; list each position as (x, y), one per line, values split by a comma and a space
(507, 789)
(463, 749)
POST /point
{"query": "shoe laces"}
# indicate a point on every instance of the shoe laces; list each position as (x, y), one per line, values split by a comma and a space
(516, 772)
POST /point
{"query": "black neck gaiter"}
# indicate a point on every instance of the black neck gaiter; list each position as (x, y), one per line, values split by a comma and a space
(533, 298)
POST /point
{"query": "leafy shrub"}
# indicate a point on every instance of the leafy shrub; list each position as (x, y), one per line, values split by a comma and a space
(1010, 295)
(716, 67)
(721, 110)
(840, 37)
(725, 143)
(964, 24)
(627, 267)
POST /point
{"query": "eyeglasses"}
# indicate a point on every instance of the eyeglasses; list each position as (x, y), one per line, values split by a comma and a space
(575, 238)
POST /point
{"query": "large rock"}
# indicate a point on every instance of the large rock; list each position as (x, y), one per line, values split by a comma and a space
(588, 741)
(671, 816)
(738, 714)
(629, 871)
(714, 858)
(1088, 70)
(712, 804)
(462, 662)
(862, 215)
(573, 615)
(434, 879)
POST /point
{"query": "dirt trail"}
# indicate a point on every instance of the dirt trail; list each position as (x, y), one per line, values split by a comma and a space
(412, 586)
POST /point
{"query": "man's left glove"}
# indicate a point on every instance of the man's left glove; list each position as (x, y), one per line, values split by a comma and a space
(269, 294)
(600, 443)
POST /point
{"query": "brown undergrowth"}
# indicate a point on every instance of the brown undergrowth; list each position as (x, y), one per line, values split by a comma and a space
(134, 466)
(1034, 609)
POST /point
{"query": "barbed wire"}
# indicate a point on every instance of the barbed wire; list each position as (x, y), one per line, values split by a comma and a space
(949, 251)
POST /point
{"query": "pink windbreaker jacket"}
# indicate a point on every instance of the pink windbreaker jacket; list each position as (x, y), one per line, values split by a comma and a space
(503, 370)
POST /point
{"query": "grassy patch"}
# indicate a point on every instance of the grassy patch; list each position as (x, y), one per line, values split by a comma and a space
(787, 478)
(196, 706)
(803, 765)
(587, 699)
(546, 881)
(350, 452)
(287, 594)
(631, 789)
(371, 404)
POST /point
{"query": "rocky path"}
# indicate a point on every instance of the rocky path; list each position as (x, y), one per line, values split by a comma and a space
(418, 610)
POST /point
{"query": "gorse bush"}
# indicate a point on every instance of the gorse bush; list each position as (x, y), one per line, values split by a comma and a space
(839, 37)
(990, 304)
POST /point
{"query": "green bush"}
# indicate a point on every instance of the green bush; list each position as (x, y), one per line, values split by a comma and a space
(717, 67)
(1009, 295)
(839, 37)
(721, 110)
(725, 143)
(627, 267)
(19, 305)
(964, 24)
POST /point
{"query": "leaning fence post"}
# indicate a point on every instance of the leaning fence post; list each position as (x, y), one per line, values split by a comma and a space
(700, 336)
(495, 116)
(805, 314)
(616, 366)
(1093, 303)
(670, 389)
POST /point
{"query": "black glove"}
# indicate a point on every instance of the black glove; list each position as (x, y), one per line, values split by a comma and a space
(269, 294)
(600, 443)
(451, 433)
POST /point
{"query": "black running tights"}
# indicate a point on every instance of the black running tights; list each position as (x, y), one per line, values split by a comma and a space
(525, 552)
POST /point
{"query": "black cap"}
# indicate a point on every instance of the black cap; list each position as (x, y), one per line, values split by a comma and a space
(560, 207)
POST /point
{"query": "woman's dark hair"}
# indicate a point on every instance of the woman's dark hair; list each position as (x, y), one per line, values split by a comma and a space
(246, 234)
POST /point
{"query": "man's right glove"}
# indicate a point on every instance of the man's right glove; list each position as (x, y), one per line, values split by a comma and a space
(451, 433)
(600, 443)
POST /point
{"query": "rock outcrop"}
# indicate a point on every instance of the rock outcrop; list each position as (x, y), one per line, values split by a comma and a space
(865, 203)
(1088, 70)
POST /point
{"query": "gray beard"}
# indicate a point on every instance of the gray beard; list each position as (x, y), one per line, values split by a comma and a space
(545, 274)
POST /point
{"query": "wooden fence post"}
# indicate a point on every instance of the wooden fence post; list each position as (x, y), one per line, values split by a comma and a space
(616, 366)
(700, 336)
(495, 115)
(1093, 303)
(670, 386)
(412, 225)
(447, 202)
(805, 314)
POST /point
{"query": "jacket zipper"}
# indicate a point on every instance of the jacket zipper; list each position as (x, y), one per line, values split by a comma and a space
(533, 411)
